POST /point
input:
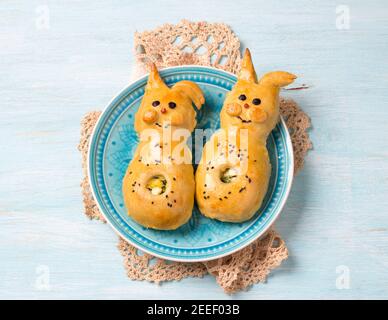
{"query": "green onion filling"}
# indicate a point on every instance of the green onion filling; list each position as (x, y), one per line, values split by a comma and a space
(229, 175)
(157, 185)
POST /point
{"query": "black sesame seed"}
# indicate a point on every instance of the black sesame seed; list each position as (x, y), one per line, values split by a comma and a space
(229, 192)
(172, 105)
(175, 201)
(256, 101)
(173, 178)
(155, 103)
(242, 97)
(220, 199)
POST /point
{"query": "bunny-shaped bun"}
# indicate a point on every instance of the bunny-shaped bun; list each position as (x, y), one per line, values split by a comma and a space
(159, 185)
(233, 175)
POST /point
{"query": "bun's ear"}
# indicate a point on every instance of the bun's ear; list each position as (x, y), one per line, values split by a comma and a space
(247, 72)
(191, 90)
(154, 79)
(277, 79)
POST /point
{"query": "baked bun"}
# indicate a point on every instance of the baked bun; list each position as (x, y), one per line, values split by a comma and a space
(233, 175)
(159, 184)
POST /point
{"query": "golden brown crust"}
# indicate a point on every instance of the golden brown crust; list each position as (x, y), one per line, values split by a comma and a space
(163, 110)
(165, 211)
(251, 110)
(238, 200)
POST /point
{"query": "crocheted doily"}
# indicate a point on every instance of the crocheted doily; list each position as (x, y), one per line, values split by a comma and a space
(206, 44)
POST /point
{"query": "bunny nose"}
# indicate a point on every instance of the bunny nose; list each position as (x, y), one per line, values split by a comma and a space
(163, 110)
(246, 105)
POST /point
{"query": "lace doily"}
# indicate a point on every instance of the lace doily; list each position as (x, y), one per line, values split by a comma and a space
(201, 43)
(205, 44)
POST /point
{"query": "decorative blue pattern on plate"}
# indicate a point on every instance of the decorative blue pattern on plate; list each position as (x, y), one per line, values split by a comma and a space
(114, 141)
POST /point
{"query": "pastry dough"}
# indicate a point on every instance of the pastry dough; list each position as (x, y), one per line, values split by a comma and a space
(233, 174)
(159, 184)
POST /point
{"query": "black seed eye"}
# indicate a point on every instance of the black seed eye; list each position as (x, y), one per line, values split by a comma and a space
(172, 105)
(256, 101)
(242, 97)
(155, 103)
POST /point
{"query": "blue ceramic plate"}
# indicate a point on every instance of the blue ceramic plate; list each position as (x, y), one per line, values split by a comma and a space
(114, 141)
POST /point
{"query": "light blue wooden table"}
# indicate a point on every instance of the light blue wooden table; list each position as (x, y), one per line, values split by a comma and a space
(51, 73)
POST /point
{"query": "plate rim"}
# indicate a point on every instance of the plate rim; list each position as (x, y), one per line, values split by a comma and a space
(290, 177)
